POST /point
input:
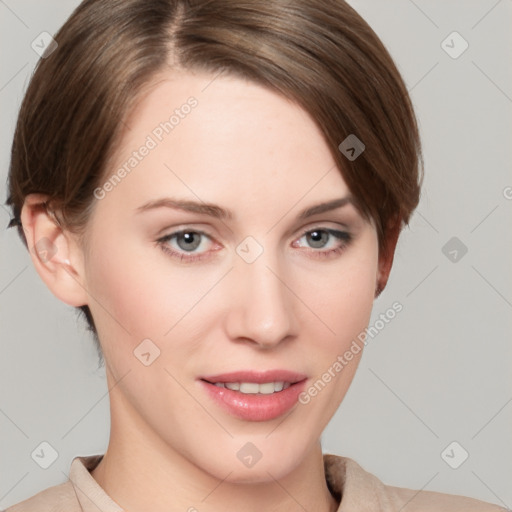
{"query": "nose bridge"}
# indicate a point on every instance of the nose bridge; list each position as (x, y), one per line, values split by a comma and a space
(262, 308)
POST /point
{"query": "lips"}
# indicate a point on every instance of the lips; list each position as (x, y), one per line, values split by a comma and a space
(259, 377)
(254, 406)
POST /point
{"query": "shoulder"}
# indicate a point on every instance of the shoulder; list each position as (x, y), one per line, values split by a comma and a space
(360, 490)
(78, 494)
(59, 498)
(409, 500)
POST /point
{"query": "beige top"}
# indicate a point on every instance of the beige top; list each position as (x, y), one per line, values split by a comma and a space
(359, 491)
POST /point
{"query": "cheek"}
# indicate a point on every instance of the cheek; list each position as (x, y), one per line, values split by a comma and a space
(126, 292)
(138, 293)
(356, 300)
(343, 295)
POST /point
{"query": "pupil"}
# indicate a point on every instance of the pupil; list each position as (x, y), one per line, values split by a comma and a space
(318, 238)
(188, 239)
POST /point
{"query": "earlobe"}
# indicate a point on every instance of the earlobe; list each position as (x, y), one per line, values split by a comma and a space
(387, 254)
(54, 252)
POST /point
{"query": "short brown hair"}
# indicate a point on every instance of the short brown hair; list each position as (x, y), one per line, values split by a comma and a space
(319, 53)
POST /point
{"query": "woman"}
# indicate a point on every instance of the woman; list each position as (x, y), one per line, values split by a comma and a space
(219, 187)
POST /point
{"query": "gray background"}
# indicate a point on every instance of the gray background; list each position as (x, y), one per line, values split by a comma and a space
(438, 373)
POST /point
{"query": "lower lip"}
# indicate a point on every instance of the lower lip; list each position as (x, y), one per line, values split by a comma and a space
(255, 407)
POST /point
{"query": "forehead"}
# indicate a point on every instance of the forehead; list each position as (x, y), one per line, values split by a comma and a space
(226, 140)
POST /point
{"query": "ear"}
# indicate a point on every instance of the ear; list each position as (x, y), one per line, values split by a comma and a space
(387, 253)
(55, 253)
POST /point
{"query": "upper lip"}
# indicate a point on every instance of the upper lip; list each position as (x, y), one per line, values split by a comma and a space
(259, 377)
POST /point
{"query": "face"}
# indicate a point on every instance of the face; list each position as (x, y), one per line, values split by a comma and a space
(180, 295)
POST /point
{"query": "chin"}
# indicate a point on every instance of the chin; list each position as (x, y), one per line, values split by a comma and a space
(264, 468)
(257, 474)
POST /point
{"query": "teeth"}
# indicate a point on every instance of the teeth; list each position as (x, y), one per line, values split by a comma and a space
(251, 388)
(267, 388)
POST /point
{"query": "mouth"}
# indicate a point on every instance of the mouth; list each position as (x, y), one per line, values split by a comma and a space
(255, 396)
(253, 388)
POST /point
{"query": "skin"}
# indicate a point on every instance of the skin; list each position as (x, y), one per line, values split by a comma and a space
(171, 447)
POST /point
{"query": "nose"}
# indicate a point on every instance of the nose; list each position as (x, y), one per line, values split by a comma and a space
(261, 306)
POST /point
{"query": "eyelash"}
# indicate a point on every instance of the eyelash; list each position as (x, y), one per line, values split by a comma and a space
(344, 237)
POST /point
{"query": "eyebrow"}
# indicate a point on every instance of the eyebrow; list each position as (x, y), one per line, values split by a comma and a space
(218, 212)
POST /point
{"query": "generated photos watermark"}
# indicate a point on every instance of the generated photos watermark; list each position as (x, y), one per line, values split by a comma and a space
(153, 139)
(356, 347)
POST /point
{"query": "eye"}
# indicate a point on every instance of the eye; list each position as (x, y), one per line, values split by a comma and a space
(187, 241)
(319, 238)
